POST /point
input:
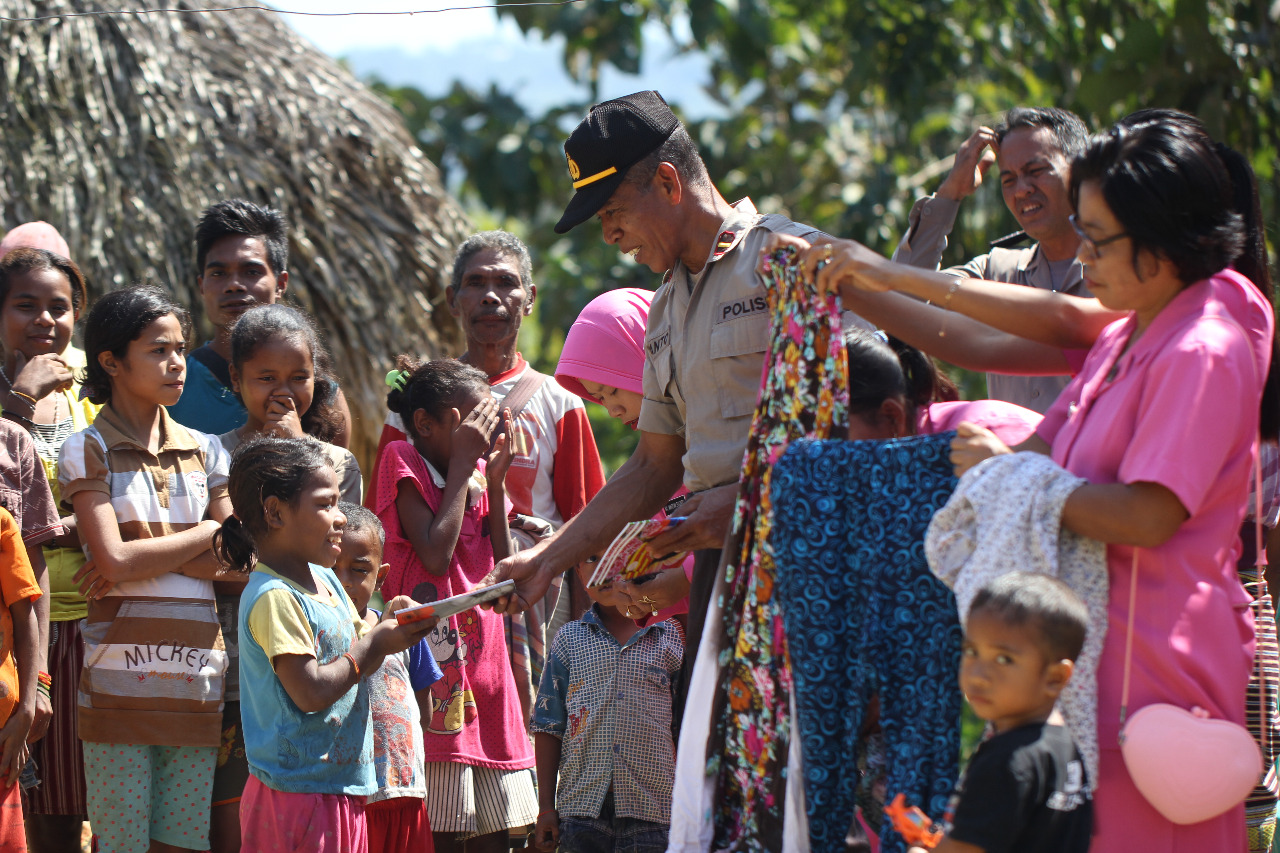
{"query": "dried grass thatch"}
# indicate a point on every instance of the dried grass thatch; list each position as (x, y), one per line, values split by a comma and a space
(120, 129)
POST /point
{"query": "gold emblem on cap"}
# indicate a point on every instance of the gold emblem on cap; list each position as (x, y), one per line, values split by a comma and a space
(574, 171)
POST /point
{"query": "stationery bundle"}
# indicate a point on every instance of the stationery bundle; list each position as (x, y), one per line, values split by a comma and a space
(628, 557)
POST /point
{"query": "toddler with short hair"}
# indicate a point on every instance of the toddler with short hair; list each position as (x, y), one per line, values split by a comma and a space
(1025, 788)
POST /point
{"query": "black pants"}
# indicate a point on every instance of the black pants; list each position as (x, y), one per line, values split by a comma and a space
(706, 570)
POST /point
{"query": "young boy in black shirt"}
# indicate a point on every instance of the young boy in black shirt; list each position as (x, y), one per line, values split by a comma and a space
(1025, 789)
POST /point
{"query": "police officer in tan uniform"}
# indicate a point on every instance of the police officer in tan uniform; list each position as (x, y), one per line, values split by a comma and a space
(634, 166)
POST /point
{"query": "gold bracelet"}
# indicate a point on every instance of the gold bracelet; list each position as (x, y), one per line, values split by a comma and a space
(32, 400)
(946, 306)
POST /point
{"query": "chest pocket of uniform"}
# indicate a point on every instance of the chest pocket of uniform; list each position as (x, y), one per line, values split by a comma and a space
(735, 362)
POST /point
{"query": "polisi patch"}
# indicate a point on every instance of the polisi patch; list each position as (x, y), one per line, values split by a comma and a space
(737, 309)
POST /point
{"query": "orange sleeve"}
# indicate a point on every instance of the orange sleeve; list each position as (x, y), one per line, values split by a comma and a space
(17, 580)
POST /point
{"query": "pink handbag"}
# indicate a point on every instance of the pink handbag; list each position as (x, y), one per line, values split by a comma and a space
(1189, 766)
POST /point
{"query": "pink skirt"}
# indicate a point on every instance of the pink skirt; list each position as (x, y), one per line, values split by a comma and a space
(279, 822)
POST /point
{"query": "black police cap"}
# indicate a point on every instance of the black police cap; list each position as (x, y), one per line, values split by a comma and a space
(613, 137)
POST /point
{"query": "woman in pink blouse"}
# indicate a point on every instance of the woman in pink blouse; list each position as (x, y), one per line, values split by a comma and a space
(1162, 420)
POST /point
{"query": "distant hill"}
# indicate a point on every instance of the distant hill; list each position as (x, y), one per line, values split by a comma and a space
(531, 70)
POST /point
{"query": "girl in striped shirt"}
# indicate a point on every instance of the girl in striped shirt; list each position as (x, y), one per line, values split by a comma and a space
(148, 494)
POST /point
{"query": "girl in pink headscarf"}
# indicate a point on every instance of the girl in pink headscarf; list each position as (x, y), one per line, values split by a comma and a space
(603, 361)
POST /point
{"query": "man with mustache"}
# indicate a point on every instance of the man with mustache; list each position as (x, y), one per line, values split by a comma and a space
(242, 260)
(557, 468)
(1033, 149)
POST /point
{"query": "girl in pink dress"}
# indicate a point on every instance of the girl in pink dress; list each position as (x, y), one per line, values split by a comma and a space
(1162, 419)
(445, 514)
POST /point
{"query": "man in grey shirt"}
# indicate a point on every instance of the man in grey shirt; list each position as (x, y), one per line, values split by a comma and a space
(1033, 149)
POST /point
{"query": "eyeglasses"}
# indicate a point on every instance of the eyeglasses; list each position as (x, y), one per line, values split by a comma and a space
(1091, 244)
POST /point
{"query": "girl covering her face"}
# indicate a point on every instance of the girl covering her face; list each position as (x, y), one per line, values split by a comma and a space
(442, 500)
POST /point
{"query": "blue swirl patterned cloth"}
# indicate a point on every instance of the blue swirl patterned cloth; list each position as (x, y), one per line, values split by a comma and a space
(864, 615)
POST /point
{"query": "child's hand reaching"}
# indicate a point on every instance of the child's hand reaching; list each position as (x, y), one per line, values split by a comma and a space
(401, 602)
(389, 637)
(546, 835)
(504, 450)
(471, 436)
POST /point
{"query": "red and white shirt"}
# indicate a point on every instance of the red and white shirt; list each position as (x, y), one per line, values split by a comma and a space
(558, 470)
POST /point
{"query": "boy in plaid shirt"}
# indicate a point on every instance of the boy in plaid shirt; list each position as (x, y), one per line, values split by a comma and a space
(602, 723)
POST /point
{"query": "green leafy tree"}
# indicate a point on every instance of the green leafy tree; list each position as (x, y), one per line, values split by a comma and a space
(841, 112)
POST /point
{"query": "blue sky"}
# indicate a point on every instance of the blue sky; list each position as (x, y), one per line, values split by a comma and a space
(429, 51)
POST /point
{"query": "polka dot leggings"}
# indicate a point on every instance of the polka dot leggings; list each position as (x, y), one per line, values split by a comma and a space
(140, 793)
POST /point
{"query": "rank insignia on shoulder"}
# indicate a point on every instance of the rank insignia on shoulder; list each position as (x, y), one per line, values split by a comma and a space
(723, 244)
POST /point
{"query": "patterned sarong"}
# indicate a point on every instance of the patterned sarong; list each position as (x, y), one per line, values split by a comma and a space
(805, 393)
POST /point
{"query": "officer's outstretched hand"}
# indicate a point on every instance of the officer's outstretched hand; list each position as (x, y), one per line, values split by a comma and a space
(532, 575)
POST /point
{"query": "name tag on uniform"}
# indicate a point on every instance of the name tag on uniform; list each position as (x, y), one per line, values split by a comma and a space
(737, 309)
(657, 343)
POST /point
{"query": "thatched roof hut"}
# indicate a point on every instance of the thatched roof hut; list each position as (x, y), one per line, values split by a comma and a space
(120, 129)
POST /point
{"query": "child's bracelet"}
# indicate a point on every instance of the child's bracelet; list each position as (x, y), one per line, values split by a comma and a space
(16, 402)
(545, 812)
(354, 665)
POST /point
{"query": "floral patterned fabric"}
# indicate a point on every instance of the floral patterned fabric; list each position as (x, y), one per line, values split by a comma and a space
(805, 393)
